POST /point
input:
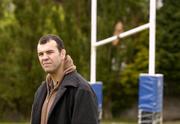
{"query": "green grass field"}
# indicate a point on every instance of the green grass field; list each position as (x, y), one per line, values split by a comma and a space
(108, 122)
(177, 122)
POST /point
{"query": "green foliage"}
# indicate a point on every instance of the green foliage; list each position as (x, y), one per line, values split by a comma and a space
(22, 23)
(121, 84)
(168, 46)
(20, 30)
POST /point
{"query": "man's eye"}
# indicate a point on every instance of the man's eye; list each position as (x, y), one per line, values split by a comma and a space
(40, 54)
(49, 52)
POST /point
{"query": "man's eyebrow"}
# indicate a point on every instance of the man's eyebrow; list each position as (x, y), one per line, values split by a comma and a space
(49, 51)
(39, 52)
(45, 51)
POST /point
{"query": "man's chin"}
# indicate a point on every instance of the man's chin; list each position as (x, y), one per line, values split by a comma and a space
(48, 71)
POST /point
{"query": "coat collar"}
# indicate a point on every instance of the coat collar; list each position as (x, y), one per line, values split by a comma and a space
(70, 80)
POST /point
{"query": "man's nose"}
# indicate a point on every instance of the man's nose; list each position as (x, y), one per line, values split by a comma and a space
(45, 57)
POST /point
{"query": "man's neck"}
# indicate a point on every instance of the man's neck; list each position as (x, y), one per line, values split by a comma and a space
(57, 77)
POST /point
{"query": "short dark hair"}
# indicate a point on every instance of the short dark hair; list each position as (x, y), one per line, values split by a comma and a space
(46, 38)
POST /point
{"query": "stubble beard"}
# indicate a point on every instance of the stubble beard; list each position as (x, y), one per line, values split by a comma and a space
(52, 70)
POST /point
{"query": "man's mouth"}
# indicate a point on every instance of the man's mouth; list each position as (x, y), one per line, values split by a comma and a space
(46, 64)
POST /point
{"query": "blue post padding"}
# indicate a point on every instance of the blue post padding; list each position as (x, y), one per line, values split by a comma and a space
(97, 87)
(151, 92)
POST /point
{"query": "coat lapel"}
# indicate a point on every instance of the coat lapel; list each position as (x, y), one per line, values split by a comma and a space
(69, 80)
(60, 93)
(39, 102)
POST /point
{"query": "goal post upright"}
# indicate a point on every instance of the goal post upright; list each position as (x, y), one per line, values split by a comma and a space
(147, 115)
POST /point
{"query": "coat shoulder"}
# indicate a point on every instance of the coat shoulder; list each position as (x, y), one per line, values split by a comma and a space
(82, 82)
(77, 80)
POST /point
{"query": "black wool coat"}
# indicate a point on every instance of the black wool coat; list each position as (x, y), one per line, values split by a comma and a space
(75, 102)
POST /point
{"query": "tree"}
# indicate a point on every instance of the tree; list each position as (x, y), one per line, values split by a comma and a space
(19, 68)
(168, 45)
(20, 30)
(120, 85)
(22, 23)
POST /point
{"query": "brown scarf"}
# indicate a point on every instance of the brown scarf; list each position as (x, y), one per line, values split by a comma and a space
(67, 67)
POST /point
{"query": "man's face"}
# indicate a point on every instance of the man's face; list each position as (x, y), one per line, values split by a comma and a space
(49, 56)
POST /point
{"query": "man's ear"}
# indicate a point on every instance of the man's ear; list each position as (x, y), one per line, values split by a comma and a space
(63, 53)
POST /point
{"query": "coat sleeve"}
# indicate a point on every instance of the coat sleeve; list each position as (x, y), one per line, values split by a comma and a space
(32, 109)
(85, 108)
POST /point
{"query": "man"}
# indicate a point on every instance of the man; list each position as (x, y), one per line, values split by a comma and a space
(118, 29)
(64, 97)
(114, 53)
